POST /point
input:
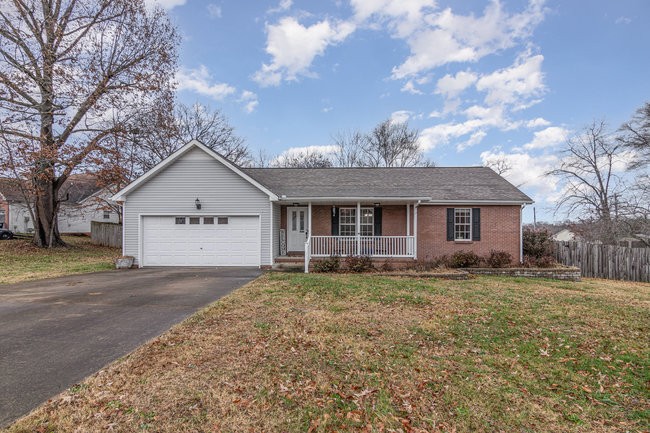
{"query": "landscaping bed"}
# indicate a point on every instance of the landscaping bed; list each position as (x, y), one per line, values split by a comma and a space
(22, 261)
(370, 353)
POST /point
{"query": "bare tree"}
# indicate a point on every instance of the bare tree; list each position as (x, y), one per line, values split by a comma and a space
(159, 135)
(392, 144)
(591, 186)
(304, 159)
(635, 135)
(350, 147)
(500, 165)
(389, 144)
(65, 67)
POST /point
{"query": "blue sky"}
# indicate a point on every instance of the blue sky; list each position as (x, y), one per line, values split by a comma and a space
(481, 80)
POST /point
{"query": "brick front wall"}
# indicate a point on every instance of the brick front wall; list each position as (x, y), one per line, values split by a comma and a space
(499, 231)
(393, 219)
(499, 228)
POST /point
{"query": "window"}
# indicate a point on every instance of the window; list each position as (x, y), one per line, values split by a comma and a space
(348, 221)
(180, 220)
(107, 214)
(208, 220)
(195, 220)
(463, 224)
(222, 220)
(367, 221)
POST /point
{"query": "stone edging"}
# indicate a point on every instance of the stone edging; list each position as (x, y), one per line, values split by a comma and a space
(566, 274)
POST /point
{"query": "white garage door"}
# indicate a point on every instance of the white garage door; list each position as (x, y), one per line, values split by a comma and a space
(201, 241)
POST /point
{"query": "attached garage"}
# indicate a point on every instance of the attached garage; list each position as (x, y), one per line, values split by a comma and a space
(200, 240)
(196, 208)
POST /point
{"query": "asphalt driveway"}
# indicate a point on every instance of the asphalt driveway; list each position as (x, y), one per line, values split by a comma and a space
(55, 332)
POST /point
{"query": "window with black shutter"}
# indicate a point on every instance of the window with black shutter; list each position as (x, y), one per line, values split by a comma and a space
(463, 224)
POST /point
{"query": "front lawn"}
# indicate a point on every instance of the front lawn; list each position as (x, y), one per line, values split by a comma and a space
(20, 260)
(307, 353)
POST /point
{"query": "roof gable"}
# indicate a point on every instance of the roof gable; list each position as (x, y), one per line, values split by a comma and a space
(120, 196)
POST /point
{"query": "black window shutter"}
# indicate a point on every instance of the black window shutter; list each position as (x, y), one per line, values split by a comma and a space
(377, 221)
(450, 223)
(476, 224)
(335, 221)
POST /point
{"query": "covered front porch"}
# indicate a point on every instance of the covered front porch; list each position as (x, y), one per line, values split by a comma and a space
(378, 229)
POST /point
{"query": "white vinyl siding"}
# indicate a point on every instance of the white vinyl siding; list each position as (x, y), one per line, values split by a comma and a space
(174, 190)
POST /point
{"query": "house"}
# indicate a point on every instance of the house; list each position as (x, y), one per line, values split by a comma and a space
(81, 203)
(196, 208)
(564, 235)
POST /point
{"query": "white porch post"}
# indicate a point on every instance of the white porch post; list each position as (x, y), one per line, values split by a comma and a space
(357, 222)
(408, 220)
(309, 220)
(415, 230)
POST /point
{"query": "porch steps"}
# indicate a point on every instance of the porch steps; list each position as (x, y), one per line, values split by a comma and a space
(289, 263)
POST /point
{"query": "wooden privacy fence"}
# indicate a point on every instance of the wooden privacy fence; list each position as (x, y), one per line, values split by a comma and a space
(605, 261)
(107, 234)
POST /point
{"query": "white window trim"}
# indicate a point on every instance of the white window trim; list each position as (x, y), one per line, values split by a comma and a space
(470, 224)
(354, 209)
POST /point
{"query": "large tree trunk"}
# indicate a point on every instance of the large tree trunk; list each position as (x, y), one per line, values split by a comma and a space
(46, 206)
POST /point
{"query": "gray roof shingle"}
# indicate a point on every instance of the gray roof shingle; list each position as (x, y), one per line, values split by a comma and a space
(438, 183)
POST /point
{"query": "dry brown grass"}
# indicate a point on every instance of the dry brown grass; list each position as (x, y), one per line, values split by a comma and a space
(293, 352)
(20, 260)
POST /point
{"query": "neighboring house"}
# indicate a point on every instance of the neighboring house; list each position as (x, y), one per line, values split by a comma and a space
(564, 235)
(198, 209)
(81, 204)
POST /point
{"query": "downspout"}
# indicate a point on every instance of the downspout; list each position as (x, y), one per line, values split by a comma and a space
(415, 229)
(521, 234)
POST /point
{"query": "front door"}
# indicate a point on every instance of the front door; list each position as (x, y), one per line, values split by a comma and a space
(296, 228)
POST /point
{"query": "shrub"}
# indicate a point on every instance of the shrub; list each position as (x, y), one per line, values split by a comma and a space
(387, 266)
(330, 264)
(498, 259)
(420, 265)
(537, 243)
(358, 264)
(546, 262)
(542, 262)
(464, 259)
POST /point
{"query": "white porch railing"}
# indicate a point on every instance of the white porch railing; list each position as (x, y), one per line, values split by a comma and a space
(373, 246)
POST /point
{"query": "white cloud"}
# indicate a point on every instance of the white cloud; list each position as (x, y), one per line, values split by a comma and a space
(409, 87)
(549, 137)
(200, 81)
(165, 4)
(284, 5)
(445, 37)
(214, 10)
(403, 16)
(538, 122)
(401, 116)
(528, 172)
(327, 150)
(250, 101)
(294, 47)
(515, 84)
(452, 85)
(623, 20)
(474, 139)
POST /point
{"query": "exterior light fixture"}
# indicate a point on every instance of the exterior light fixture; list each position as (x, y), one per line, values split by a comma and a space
(296, 204)
(377, 204)
(197, 202)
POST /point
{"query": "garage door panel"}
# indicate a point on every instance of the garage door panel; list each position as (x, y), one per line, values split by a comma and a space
(166, 243)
